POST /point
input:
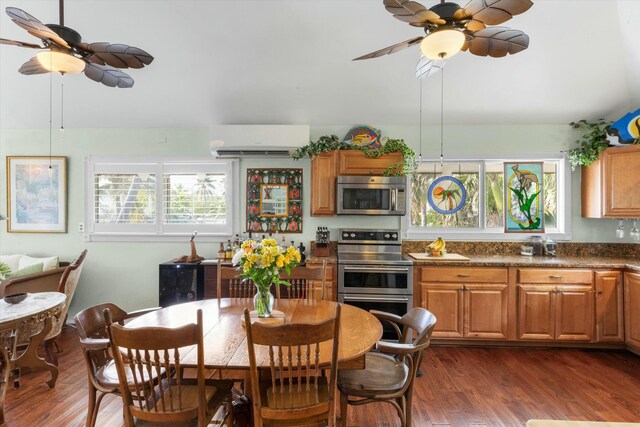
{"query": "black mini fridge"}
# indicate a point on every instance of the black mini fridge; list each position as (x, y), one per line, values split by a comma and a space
(180, 282)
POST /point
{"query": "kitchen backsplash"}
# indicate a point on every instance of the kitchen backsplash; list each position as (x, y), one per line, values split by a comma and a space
(624, 250)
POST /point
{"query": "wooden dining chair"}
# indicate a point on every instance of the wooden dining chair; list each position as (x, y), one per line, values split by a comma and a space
(304, 282)
(296, 393)
(150, 351)
(94, 340)
(237, 287)
(391, 368)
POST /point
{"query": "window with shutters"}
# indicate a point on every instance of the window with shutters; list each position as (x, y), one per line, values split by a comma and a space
(159, 200)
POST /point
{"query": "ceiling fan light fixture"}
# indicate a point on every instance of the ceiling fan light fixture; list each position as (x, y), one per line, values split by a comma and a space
(442, 44)
(60, 62)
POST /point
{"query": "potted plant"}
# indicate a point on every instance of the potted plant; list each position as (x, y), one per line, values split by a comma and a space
(332, 142)
(591, 144)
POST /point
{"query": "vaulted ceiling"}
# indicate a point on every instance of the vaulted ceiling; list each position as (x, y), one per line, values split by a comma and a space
(290, 62)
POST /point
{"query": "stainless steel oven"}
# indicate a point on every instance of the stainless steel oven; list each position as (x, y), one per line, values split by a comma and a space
(373, 274)
(371, 195)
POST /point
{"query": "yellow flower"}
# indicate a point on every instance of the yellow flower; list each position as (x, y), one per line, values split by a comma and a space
(253, 258)
(247, 244)
(287, 259)
(246, 267)
(280, 261)
(267, 259)
(269, 242)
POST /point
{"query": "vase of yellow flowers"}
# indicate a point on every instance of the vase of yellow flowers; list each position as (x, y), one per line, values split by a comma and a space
(262, 261)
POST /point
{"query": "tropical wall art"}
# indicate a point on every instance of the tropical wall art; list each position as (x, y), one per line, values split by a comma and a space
(626, 130)
(274, 200)
(36, 194)
(363, 136)
(447, 195)
(523, 196)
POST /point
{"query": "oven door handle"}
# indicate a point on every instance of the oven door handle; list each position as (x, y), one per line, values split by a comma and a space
(377, 269)
(394, 199)
(375, 299)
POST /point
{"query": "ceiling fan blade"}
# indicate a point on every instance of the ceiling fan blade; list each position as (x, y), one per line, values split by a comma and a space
(117, 55)
(475, 25)
(21, 44)
(108, 75)
(32, 66)
(498, 42)
(493, 12)
(412, 12)
(427, 67)
(35, 27)
(391, 49)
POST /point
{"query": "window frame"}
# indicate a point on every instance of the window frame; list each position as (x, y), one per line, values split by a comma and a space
(159, 166)
(562, 232)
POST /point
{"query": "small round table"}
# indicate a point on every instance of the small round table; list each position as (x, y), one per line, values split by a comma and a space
(24, 319)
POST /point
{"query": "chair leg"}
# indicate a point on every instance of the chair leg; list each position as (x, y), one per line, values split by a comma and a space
(50, 355)
(408, 412)
(343, 409)
(91, 406)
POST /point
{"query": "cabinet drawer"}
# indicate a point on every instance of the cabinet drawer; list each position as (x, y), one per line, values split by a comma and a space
(463, 274)
(554, 275)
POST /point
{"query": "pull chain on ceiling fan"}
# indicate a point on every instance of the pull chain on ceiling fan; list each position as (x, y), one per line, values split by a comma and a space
(450, 29)
(63, 51)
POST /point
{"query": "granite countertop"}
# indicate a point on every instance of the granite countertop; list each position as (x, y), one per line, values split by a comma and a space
(537, 261)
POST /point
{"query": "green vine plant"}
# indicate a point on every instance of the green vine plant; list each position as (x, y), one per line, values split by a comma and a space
(325, 143)
(591, 144)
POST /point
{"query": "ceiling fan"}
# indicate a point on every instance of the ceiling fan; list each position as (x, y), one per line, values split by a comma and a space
(450, 28)
(64, 51)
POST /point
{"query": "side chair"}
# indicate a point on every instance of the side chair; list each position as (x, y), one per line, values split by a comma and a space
(176, 399)
(390, 369)
(297, 393)
(94, 339)
(303, 283)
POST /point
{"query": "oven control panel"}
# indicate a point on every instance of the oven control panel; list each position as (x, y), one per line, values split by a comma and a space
(368, 236)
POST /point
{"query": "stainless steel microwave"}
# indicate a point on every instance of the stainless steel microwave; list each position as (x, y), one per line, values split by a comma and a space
(371, 195)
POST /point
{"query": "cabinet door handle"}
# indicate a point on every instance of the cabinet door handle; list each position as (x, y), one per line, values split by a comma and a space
(553, 276)
(598, 294)
(464, 289)
(464, 275)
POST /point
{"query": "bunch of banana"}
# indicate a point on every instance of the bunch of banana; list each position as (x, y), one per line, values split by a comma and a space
(437, 247)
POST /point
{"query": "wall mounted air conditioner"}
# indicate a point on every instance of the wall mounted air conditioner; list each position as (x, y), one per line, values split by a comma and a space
(257, 140)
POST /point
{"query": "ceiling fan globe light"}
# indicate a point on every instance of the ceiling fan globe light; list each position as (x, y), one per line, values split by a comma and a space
(442, 44)
(60, 62)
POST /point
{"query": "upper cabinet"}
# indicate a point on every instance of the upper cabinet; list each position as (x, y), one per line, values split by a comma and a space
(326, 167)
(610, 185)
(354, 162)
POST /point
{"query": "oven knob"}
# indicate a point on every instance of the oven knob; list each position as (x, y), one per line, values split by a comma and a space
(345, 235)
(386, 236)
(353, 234)
(394, 236)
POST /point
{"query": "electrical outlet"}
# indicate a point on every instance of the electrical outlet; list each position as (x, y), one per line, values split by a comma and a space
(80, 227)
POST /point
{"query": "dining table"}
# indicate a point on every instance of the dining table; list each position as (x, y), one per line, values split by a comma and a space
(225, 339)
(29, 320)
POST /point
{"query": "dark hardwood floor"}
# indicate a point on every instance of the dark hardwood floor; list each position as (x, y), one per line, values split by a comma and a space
(460, 387)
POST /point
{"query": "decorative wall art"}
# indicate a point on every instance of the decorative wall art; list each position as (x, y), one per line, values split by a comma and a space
(447, 195)
(36, 198)
(274, 200)
(626, 130)
(363, 136)
(523, 194)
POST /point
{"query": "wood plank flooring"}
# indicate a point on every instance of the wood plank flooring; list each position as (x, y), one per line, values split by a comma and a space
(460, 387)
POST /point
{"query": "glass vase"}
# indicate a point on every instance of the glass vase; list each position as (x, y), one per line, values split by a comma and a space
(263, 302)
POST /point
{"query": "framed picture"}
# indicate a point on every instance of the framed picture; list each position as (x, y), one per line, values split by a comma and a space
(274, 200)
(36, 195)
(523, 195)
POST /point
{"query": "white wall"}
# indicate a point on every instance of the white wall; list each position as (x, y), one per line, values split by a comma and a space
(127, 273)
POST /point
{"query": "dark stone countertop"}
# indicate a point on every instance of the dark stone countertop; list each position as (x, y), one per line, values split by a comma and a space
(537, 261)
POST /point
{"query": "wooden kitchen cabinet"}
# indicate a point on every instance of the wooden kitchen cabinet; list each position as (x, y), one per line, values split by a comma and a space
(632, 310)
(609, 306)
(354, 162)
(610, 185)
(323, 184)
(468, 302)
(555, 304)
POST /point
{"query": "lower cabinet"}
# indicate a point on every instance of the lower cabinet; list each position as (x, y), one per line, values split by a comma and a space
(555, 305)
(464, 306)
(609, 306)
(632, 310)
